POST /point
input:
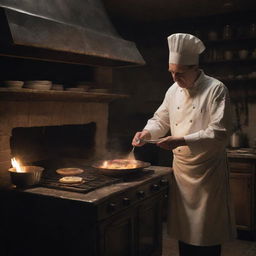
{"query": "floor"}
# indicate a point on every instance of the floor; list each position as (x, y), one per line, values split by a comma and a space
(235, 248)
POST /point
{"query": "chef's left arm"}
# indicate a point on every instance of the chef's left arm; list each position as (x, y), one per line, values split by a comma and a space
(216, 134)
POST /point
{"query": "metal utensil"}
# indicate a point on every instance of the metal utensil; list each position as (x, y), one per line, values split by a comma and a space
(131, 154)
(150, 141)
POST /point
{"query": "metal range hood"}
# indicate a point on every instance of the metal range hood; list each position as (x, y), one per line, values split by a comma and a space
(64, 31)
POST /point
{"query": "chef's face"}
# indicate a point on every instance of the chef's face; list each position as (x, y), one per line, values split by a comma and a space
(185, 76)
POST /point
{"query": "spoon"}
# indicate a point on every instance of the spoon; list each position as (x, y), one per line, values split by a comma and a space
(150, 141)
(131, 154)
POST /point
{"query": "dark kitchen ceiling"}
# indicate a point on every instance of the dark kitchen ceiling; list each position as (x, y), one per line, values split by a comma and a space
(147, 11)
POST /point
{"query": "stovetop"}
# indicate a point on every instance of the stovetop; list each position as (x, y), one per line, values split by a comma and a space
(92, 179)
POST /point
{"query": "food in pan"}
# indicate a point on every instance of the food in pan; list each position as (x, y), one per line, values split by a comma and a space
(121, 164)
(69, 171)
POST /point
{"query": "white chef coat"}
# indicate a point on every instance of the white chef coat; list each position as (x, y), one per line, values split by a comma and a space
(200, 210)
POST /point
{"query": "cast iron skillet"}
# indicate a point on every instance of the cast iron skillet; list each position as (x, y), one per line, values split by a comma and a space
(123, 166)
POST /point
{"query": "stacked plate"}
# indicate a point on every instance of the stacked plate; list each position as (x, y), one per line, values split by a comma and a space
(85, 85)
(100, 90)
(75, 89)
(38, 84)
(13, 84)
(57, 87)
(79, 87)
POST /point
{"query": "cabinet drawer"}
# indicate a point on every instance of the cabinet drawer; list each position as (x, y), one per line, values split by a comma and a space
(241, 166)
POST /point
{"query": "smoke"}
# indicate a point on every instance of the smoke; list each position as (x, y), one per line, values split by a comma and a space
(119, 148)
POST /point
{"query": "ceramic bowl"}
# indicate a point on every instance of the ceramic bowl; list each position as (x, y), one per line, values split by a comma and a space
(38, 85)
(243, 54)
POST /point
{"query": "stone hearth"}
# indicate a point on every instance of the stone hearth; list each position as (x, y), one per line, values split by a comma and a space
(29, 113)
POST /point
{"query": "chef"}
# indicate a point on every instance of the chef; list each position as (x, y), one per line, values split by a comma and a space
(196, 112)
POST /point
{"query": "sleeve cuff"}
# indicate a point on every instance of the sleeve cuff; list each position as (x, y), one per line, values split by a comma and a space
(153, 132)
(191, 140)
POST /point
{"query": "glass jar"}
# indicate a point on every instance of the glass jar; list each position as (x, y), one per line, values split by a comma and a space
(252, 30)
(227, 32)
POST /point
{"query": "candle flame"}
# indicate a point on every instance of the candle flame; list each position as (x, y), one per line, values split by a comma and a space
(17, 165)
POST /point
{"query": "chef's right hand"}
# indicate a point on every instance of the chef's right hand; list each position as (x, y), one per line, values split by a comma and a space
(136, 142)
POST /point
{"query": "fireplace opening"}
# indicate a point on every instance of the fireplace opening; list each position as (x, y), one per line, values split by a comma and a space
(54, 146)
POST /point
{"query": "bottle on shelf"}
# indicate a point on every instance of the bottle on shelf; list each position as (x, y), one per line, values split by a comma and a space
(252, 31)
(227, 32)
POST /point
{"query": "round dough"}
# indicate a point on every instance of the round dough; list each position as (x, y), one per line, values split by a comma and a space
(69, 171)
(71, 179)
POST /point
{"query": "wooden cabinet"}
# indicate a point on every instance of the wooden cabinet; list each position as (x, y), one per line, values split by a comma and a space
(136, 231)
(116, 235)
(242, 183)
(241, 191)
(150, 227)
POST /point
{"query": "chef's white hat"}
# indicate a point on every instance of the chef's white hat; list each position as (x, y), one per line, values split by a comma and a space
(184, 49)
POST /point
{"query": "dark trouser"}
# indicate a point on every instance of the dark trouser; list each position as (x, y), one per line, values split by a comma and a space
(192, 250)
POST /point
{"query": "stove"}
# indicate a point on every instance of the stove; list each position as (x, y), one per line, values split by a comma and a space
(129, 212)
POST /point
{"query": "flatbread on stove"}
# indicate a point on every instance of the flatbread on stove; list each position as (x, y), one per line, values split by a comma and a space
(69, 171)
(71, 179)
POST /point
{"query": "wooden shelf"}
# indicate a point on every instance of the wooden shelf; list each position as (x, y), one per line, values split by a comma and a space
(7, 94)
(237, 80)
(235, 61)
(230, 41)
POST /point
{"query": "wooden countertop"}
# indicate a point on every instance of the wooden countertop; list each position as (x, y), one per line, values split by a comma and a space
(248, 153)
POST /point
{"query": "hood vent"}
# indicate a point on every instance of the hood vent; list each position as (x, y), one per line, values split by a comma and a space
(64, 31)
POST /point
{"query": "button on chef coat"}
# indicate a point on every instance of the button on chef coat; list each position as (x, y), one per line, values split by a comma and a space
(200, 211)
